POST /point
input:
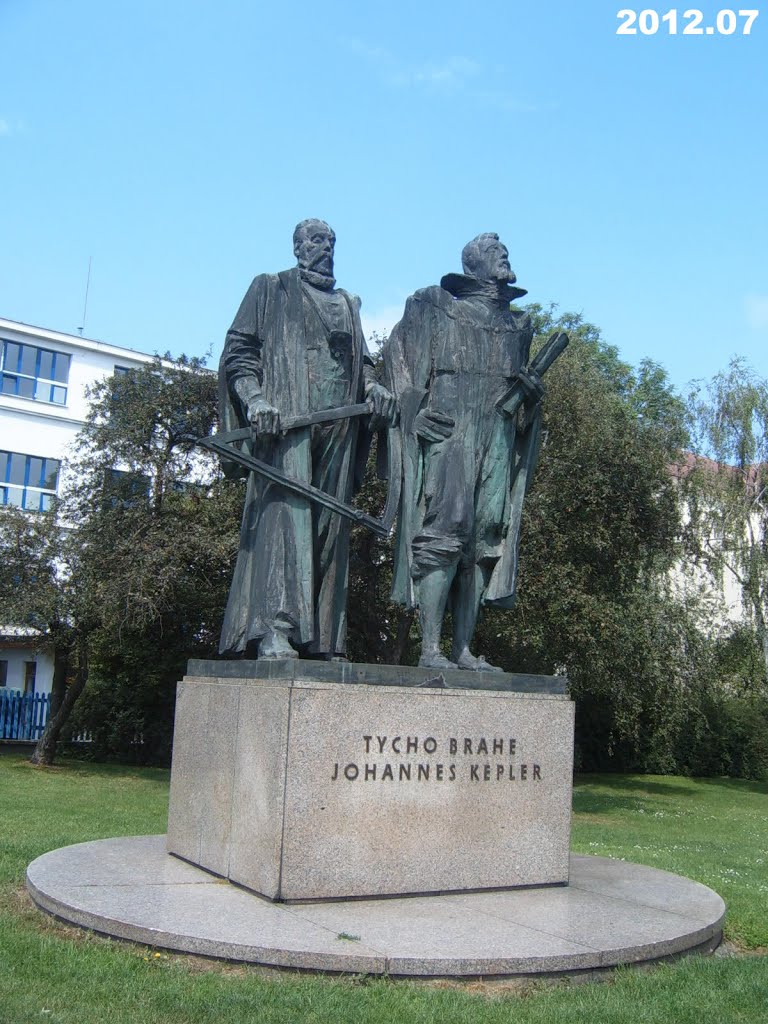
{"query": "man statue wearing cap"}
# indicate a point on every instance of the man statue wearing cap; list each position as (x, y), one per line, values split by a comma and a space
(468, 455)
(296, 347)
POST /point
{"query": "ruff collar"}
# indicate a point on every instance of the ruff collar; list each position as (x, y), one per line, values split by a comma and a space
(462, 286)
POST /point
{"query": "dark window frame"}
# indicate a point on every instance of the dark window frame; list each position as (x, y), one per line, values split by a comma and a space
(126, 488)
(15, 378)
(33, 495)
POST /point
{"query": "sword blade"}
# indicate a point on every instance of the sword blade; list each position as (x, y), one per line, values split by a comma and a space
(290, 483)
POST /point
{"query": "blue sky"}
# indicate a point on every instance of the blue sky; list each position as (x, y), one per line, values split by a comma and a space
(177, 145)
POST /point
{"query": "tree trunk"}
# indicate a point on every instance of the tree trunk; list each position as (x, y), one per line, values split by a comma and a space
(45, 750)
(762, 632)
(59, 684)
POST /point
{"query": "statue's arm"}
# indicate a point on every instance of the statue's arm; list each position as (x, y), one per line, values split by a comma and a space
(241, 363)
(409, 366)
(383, 406)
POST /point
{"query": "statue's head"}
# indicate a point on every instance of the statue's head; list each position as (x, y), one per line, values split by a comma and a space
(313, 243)
(487, 259)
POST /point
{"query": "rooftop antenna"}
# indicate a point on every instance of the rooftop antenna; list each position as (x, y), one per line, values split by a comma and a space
(85, 304)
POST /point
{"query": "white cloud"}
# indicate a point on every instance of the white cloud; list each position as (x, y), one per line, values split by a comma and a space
(451, 73)
(373, 54)
(14, 127)
(757, 311)
(482, 86)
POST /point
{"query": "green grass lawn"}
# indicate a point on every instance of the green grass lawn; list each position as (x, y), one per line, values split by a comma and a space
(713, 830)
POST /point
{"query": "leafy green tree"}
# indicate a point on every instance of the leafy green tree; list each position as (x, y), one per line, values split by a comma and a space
(135, 581)
(726, 487)
(600, 532)
(42, 586)
(160, 527)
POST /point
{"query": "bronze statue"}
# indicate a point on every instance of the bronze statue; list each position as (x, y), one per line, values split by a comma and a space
(296, 371)
(470, 421)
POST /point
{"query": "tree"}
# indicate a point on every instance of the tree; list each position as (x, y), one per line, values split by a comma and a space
(134, 581)
(726, 486)
(600, 530)
(162, 536)
(41, 587)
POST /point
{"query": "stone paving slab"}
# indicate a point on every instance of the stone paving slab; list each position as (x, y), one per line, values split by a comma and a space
(611, 913)
(661, 890)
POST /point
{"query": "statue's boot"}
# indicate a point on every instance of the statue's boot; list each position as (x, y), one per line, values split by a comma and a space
(275, 644)
(433, 593)
(434, 659)
(467, 660)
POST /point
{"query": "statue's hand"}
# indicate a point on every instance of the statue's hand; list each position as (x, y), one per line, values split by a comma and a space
(263, 417)
(533, 387)
(433, 426)
(384, 411)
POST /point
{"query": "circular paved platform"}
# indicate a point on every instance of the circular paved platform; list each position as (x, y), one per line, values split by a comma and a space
(611, 913)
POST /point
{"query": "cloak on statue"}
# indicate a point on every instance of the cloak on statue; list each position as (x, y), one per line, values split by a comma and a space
(292, 564)
(456, 352)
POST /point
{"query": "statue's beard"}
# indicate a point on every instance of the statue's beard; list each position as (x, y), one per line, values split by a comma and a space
(319, 273)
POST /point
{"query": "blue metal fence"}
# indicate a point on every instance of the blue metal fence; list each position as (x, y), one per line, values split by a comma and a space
(23, 716)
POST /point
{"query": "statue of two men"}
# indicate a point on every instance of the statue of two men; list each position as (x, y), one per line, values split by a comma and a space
(469, 420)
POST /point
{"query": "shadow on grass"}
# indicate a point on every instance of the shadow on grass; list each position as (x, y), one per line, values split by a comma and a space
(669, 785)
(614, 794)
(639, 783)
(738, 785)
(65, 764)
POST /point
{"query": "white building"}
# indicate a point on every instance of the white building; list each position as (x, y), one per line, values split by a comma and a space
(44, 375)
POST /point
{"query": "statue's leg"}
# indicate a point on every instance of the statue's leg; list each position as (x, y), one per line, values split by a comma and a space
(467, 589)
(439, 544)
(332, 461)
(432, 591)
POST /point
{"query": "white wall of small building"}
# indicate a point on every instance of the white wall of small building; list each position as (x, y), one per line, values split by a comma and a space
(17, 658)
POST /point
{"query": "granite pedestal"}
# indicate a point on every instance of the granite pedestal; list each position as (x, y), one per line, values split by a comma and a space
(300, 781)
(263, 794)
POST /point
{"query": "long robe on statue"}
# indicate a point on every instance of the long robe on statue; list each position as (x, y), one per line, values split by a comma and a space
(304, 351)
(456, 352)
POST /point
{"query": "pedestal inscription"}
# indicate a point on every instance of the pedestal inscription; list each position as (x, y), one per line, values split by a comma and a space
(312, 790)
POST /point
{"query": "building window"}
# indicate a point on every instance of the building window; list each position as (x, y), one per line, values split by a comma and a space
(30, 676)
(31, 372)
(28, 481)
(126, 489)
(3, 673)
(119, 374)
